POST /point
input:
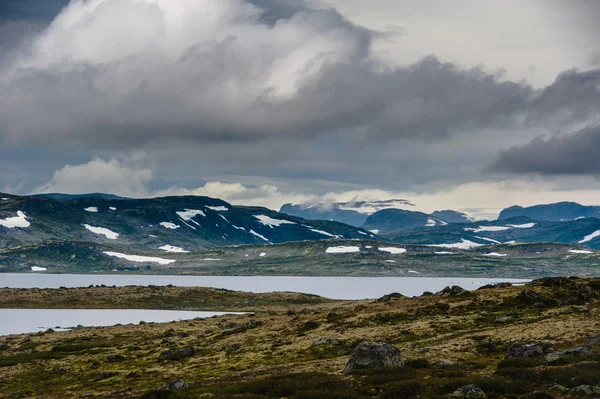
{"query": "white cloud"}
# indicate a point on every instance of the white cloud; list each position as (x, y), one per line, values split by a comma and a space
(115, 176)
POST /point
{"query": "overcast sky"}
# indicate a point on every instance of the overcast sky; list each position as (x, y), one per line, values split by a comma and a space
(470, 104)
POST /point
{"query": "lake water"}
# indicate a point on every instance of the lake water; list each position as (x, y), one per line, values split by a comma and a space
(329, 287)
(19, 321)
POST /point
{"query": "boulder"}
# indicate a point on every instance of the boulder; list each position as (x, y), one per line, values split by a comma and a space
(455, 290)
(177, 354)
(580, 351)
(468, 391)
(589, 390)
(445, 363)
(58, 371)
(176, 385)
(374, 355)
(527, 350)
(531, 297)
(389, 297)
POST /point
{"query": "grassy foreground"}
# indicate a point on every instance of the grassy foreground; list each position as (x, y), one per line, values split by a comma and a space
(298, 350)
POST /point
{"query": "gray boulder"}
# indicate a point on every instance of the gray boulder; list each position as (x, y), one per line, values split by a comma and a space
(581, 351)
(176, 385)
(374, 355)
(527, 350)
(177, 354)
(468, 391)
(589, 390)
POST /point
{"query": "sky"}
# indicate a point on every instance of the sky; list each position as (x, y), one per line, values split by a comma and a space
(471, 105)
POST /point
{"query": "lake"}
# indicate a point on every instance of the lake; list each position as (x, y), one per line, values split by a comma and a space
(329, 287)
(19, 321)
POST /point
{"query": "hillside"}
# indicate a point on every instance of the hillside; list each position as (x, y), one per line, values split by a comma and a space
(169, 224)
(531, 342)
(559, 212)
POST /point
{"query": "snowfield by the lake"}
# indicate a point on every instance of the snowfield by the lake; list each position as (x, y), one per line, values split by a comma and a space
(38, 269)
(139, 258)
(111, 235)
(342, 250)
(392, 250)
(271, 222)
(172, 248)
(92, 209)
(170, 225)
(16, 221)
(590, 237)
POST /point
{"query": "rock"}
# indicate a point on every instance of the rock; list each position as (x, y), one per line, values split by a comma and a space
(234, 347)
(310, 325)
(176, 385)
(445, 363)
(374, 355)
(581, 351)
(389, 297)
(4, 347)
(58, 371)
(503, 319)
(527, 350)
(559, 388)
(427, 293)
(442, 306)
(326, 341)
(455, 290)
(556, 281)
(594, 341)
(531, 297)
(468, 391)
(177, 354)
(587, 390)
(115, 358)
(49, 331)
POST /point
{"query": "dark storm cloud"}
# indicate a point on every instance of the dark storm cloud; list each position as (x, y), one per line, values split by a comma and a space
(30, 10)
(575, 154)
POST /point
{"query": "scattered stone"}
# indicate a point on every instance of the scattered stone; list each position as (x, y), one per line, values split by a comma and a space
(389, 297)
(115, 358)
(468, 391)
(326, 341)
(503, 319)
(527, 350)
(374, 355)
(588, 390)
(177, 354)
(58, 371)
(176, 385)
(427, 293)
(444, 363)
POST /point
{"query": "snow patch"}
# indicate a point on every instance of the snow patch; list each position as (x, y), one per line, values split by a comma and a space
(463, 244)
(217, 208)
(488, 239)
(392, 250)
(374, 231)
(139, 258)
(17, 221)
(268, 221)
(211, 259)
(172, 248)
(324, 233)
(390, 261)
(495, 254)
(111, 235)
(188, 214)
(522, 226)
(239, 228)
(362, 232)
(413, 271)
(224, 218)
(342, 250)
(430, 223)
(91, 209)
(5, 199)
(580, 251)
(169, 225)
(112, 208)
(38, 269)
(590, 237)
(259, 236)
(262, 254)
(444, 253)
(487, 228)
